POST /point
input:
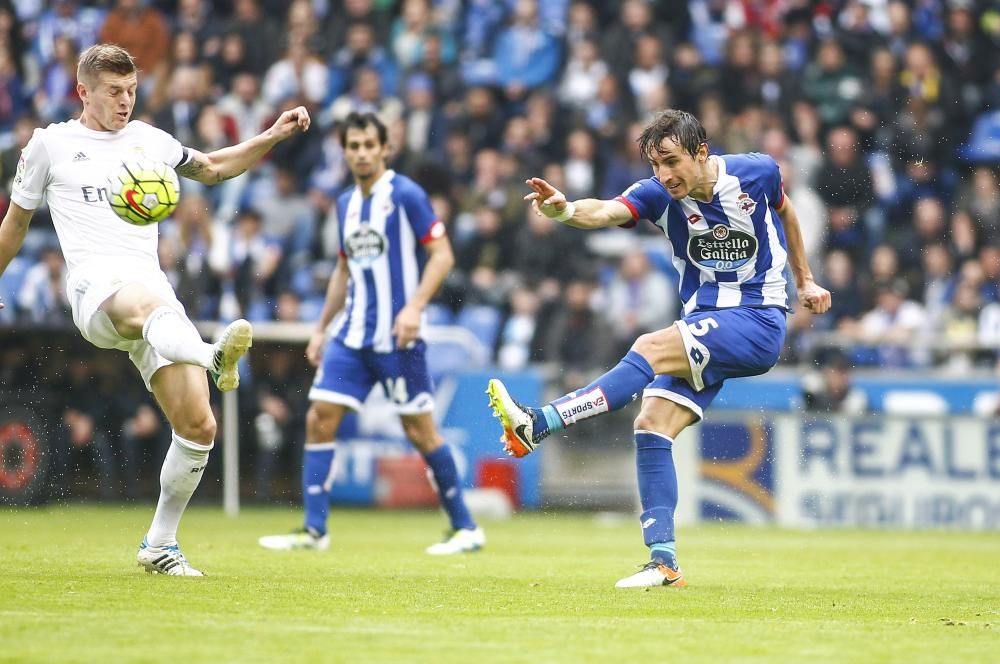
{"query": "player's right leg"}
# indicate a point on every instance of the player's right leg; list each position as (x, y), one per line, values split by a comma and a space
(524, 427)
(182, 393)
(342, 382)
(151, 312)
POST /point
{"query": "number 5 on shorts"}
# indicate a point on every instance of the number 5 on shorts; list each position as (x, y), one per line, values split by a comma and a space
(702, 327)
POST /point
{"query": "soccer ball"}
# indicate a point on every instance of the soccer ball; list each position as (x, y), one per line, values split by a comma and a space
(143, 192)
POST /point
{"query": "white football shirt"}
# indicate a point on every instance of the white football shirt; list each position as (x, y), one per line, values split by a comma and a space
(70, 164)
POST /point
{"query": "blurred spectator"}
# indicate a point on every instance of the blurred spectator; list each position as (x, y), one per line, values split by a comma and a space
(56, 97)
(844, 183)
(84, 423)
(810, 210)
(690, 78)
(938, 283)
(13, 97)
(187, 97)
(185, 252)
(634, 22)
(830, 390)
(410, 31)
(625, 165)
(260, 36)
(582, 75)
(243, 108)
(195, 17)
(288, 217)
(298, 75)
(365, 96)
(66, 18)
(250, 268)
(739, 75)
(893, 326)
(578, 338)
(9, 157)
(981, 197)
(357, 12)
(831, 83)
(843, 283)
(638, 299)
(519, 330)
(647, 79)
(143, 32)
(960, 324)
(361, 50)
(526, 55)
(42, 298)
(581, 164)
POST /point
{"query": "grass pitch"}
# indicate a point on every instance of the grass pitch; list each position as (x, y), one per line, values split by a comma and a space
(541, 592)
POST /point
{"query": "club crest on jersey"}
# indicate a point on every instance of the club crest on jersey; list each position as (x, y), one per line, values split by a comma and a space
(722, 248)
(746, 204)
(365, 245)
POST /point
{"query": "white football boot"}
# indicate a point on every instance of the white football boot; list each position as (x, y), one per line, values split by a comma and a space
(464, 540)
(164, 560)
(654, 573)
(295, 540)
(235, 341)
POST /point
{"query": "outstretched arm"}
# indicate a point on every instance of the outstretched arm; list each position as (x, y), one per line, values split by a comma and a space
(813, 297)
(587, 213)
(12, 231)
(234, 160)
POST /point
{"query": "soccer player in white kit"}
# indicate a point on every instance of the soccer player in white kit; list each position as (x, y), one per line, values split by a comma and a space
(119, 295)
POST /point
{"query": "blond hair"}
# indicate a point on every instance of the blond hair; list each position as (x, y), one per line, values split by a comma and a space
(100, 58)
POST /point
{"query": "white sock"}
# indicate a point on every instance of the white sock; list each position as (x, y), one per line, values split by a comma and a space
(175, 338)
(181, 472)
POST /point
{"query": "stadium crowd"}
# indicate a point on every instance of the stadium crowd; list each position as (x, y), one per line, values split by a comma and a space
(884, 116)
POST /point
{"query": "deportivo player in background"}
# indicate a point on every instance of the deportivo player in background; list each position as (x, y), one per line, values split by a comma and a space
(731, 230)
(394, 256)
(119, 295)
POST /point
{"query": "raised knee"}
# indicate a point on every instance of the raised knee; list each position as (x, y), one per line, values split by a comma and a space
(647, 422)
(200, 429)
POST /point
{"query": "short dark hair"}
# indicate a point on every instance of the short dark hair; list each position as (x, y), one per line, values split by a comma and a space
(99, 58)
(362, 121)
(679, 126)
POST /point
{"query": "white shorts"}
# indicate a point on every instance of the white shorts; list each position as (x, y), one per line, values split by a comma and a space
(89, 285)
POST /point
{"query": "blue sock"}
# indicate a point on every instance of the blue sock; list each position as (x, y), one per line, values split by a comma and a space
(442, 465)
(317, 467)
(654, 461)
(613, 390)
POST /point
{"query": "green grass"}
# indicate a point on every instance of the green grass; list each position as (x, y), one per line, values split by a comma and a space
(541, 592)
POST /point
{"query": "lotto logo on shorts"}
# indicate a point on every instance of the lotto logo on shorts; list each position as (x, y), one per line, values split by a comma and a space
(583, 406)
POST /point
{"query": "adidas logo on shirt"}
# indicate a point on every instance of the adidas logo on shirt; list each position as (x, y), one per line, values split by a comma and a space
(79, 156)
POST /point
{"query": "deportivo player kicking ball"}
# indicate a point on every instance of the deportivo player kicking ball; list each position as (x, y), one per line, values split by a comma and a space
(119, 295)
(394, 256)
(731, 231)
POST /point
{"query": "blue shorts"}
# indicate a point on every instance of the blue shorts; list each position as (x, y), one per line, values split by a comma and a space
(721, 344)
(346, 376)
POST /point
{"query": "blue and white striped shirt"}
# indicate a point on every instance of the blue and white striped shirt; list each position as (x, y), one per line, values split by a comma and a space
(730, 252)
(382, 238)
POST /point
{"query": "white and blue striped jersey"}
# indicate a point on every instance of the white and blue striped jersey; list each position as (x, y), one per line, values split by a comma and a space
(382, 238)
(732, 251)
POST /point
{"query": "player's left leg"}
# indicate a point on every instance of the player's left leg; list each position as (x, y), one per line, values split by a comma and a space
(464, 535)
(182, 392)
(407, 383)
(151, 312)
